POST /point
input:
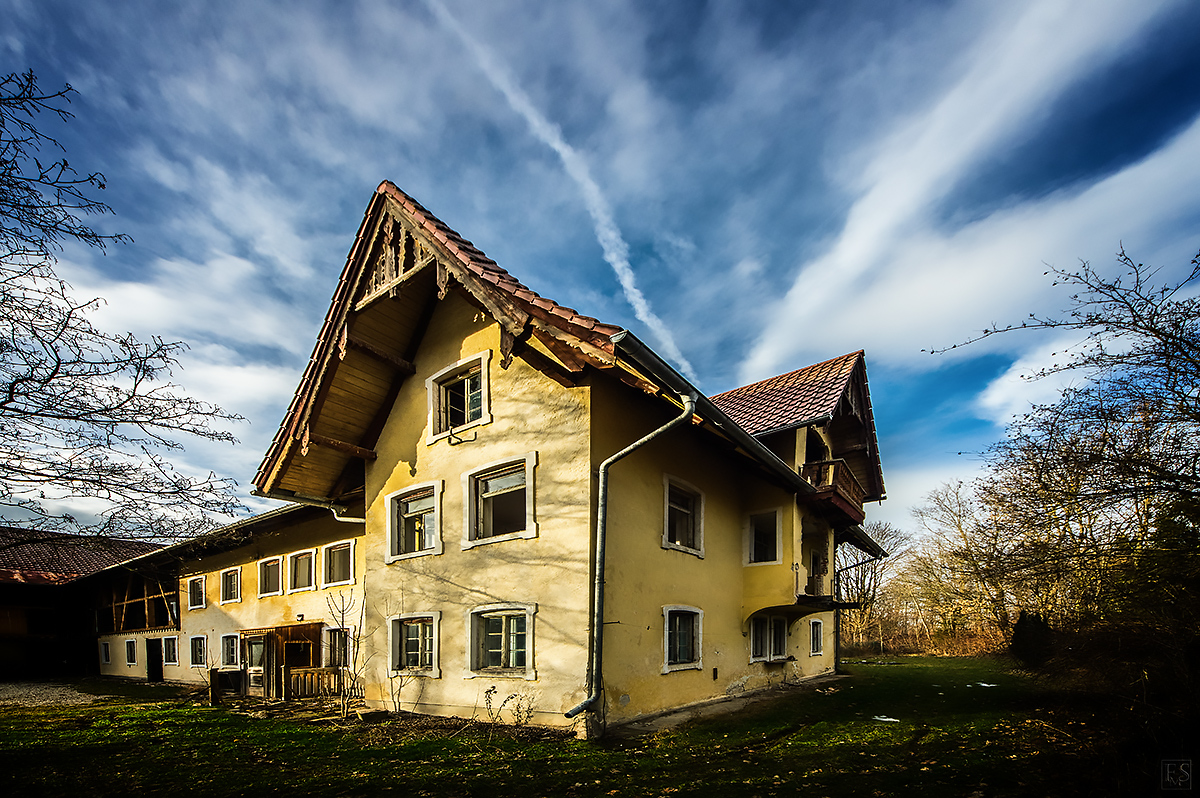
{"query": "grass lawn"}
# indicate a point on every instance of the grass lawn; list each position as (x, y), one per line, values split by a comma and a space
(950, 736)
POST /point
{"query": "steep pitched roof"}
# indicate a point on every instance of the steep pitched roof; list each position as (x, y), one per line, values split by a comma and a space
(790, 400)
(40, 557)
(366, 345)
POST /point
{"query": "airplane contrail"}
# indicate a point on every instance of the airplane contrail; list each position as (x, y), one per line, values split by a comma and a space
(616, 251)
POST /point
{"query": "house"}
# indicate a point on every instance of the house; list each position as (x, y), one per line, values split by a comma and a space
(46, 627)
(518, 504)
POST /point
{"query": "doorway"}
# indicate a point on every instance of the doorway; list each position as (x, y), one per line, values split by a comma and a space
(154, 659)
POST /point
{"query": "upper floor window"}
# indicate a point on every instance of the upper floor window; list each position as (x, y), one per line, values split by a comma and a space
(683, 516)
(762, 538)
(338, 563)
(231, 585)
(196, 593)
(270, 573)
(498, 501)
(300, 571)
(682, 629)
(502, 640)
(414, 526)
(458, 397)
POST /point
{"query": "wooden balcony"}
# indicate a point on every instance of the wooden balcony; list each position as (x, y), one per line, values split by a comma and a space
(836, 487)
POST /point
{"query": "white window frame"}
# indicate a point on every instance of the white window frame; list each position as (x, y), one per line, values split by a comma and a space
(770, 624)
(698, 516)
(175, 640)
(238, 589)
(395, 641)
(471, 502)
(435, 396)
(816, 638)
(352, 543)
(192, 651)
(473, 619)
(203, 592)
(279, 559)
(131, 652)
(237, 656)
(312, 554)
(696, 664)
(326, 660)
(749, 538)
(395, 527)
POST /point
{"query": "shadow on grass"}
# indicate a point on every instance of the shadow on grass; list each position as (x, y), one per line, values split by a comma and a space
(930, 727)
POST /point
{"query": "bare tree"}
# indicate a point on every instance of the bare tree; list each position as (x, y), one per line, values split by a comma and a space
(860, 580)
(85, 415)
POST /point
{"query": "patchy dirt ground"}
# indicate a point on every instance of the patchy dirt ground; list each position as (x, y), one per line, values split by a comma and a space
(32, 694)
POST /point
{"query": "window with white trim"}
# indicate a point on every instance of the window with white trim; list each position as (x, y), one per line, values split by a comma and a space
(683, 516)
(105, 653)
(196, 593)
(414, 521)
(768, 638)
(337, 563)
(130, 652)
(763, 538)
(335, 647)
(300, 570)
(458, 397)
(231, 585)
(414, 644)
(229, 650)
(816, 637)
(502, 640)
(498, 501)
(270, 576)
(682, 633)
(170, 648)
(199, 651)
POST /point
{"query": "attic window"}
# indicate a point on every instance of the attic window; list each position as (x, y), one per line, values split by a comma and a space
(458, 397)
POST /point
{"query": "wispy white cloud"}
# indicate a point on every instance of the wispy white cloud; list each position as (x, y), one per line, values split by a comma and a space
(616, 250)
(1006, 84)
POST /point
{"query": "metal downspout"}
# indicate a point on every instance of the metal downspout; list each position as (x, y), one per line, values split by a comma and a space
(597, 632)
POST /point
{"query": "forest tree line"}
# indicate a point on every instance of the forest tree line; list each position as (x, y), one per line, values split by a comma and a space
(1078, 549)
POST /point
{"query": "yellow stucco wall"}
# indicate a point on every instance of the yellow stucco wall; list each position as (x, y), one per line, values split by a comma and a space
(549, 569)
(643, 576)
(251, 611)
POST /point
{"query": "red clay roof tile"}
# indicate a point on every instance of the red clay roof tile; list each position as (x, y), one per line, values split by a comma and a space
(789, 399)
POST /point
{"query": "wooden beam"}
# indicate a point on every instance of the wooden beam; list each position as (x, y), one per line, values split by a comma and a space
(349, 341)
(310, 438)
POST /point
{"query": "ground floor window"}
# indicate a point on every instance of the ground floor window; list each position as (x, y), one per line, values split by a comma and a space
(414, 644)
(768, 638)
(199, 646)
(817, 636)
(337, 648)
(502, 640)
(105, 653)
(682, 628)
(170, 647)
(229, 650)
(130, 652)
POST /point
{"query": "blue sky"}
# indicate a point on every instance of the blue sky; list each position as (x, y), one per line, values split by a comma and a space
(749, 186)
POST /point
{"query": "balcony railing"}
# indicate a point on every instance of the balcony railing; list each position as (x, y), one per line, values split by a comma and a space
(835, 474)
